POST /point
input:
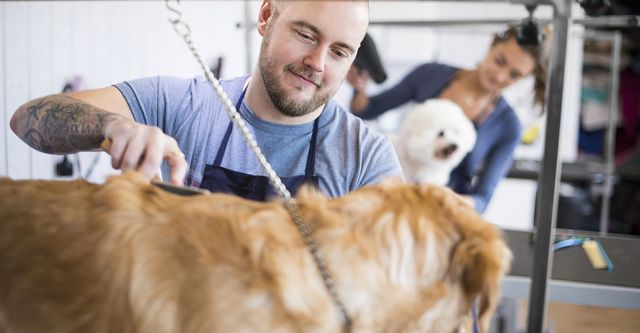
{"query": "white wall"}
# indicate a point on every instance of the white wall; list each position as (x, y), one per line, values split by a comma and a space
(45, 43)
(4, 161)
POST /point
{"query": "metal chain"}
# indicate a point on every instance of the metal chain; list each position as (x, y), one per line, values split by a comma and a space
(183, 30)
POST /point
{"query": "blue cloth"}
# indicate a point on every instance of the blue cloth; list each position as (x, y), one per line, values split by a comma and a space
(219, 179)
(497, 136)
(349, 153)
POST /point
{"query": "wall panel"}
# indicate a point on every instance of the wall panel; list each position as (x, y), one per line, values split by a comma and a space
(16, 60)
(39, 74)
(4, 120)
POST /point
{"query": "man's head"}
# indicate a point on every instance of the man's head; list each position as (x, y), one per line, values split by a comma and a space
(307, 49)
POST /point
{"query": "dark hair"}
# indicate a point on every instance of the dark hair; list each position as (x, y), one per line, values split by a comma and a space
(368, 59)
(538, 51)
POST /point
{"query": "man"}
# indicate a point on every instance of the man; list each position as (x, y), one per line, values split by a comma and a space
(307, 49)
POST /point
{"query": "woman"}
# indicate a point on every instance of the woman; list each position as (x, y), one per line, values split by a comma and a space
(478, 92)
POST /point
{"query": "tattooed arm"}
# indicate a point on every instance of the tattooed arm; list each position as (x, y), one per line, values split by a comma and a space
(61, 124)
(80, 121)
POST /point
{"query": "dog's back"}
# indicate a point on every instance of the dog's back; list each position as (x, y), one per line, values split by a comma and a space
(123, 257)
(128, 257)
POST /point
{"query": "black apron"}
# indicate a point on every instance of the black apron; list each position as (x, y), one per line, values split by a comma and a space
(219, 179)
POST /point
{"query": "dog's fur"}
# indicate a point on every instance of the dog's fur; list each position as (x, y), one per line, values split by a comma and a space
(126, 256)
(432, 140)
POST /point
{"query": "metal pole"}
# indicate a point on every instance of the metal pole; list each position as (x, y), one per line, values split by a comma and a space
(549, 177)
(610, 140)
(451, 22)
(247, 34)
(519, 2)
(620, 21)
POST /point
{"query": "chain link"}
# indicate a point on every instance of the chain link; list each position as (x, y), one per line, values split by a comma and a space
(183, 30)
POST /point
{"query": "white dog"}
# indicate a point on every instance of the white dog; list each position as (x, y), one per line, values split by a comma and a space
(433, 138)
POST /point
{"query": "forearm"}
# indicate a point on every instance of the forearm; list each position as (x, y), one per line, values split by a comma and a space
(60, 124)
(359, 102)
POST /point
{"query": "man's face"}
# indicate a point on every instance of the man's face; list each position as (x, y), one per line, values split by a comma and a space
(307, 49)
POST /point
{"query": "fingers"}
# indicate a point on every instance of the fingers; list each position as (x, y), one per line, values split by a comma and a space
(177, 163)
(178, 166)
(145, 151)
(142, 148)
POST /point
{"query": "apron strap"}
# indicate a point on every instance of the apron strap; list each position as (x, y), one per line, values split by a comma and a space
(227, 134)
(311, 156)
(223, 145)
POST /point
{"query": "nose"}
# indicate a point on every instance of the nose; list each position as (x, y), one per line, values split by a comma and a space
(316, 58)
(502, 76)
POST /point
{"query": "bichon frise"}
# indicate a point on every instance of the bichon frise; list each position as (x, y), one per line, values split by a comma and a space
(433, 138)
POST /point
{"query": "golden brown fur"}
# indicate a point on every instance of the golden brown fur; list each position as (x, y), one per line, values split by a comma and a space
(127, 257)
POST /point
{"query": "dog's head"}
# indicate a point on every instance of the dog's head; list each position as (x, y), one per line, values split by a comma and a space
(437, 132)
(410, 258)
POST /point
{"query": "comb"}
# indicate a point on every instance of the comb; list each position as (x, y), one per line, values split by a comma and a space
(157, 181)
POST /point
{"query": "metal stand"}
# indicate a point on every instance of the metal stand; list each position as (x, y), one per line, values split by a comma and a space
(550, 167)
(610, 140)
(549, 177)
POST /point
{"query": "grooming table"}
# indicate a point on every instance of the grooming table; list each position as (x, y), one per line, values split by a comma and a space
(573, 279)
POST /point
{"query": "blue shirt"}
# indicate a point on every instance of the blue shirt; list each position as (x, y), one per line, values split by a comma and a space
(349, 153)
(497, 136)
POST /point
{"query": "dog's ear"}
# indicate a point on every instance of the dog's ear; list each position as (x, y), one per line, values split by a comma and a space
(481, 260)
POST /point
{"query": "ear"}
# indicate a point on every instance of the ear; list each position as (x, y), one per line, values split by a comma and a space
(264, 16)
(482, 262)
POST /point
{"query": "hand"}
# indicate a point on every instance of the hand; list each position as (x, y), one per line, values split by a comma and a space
(358, 78)
(134, 146)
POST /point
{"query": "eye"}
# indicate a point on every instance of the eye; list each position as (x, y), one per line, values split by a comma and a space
(340, 53)
(305, 36)
(499, 61)
(440, 134)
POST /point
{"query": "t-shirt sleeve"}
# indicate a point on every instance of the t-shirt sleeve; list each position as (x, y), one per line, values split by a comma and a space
(157, 101)
(382, 163)
(497, 165)
(404, 91)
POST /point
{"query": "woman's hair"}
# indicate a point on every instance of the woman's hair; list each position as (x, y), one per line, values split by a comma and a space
(539, 51)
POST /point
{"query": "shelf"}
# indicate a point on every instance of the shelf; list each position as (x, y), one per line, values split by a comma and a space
(590, 172)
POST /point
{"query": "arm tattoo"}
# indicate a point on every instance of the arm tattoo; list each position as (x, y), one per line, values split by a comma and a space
(61, 124)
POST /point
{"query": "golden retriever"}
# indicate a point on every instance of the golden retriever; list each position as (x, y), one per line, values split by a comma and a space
(127, 256)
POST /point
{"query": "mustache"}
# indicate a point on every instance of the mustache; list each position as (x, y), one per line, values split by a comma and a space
(305, 73)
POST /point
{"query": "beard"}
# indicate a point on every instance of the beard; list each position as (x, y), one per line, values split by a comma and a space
(272, 78)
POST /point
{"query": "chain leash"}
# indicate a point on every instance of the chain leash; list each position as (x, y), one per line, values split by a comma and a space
(183, 30)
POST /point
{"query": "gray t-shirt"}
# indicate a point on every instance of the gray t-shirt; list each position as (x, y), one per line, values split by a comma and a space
(349, 154)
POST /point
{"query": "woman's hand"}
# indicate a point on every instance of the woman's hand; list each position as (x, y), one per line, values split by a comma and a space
(358, 78)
